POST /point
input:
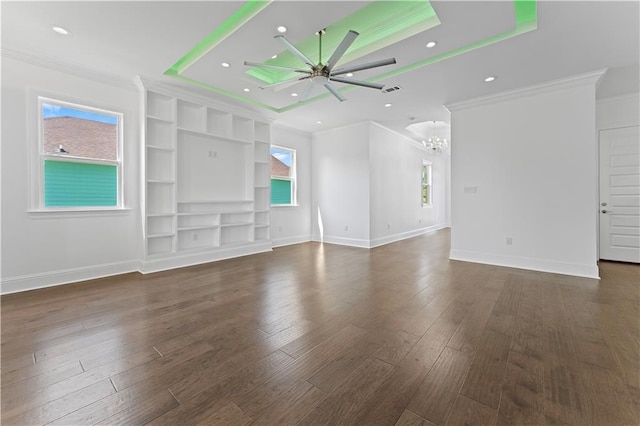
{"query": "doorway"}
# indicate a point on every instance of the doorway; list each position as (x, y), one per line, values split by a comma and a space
(619, 209)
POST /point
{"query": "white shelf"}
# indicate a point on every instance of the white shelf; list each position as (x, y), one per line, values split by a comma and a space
(198, 159)
(168, 234)
(211, 135)
(229, 225)
(160, 148)
(195, 228)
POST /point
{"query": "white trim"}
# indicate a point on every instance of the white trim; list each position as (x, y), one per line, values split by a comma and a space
(69, 68)
(188, 94)
(405, 138)
(377, 242)
(405, 235)
(565, 83)
(352, 242)
(65, 276)
(617, 98)
(181, 261)
(542, 265)
(287, 241)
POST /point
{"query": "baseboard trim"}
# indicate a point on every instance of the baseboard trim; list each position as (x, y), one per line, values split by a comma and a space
(65, 276)
(174, 262)
(377, 242)
(351, 242)
(542, 265)
(281, 242)
(404, 235)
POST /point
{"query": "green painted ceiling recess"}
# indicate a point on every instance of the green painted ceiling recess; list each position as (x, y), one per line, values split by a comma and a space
(403, 19)
(380, 24)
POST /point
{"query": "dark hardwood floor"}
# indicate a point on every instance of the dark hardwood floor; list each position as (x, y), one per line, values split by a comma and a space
(325, 334)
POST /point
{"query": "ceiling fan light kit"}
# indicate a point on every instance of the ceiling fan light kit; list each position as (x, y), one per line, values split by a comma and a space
(324, 74)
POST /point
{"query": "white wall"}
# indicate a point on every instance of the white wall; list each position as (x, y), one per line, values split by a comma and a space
(367, 186)
(396, 188)
(292, 224)
(531, 154)
(341, 185)
(43, 249)
(619, 111)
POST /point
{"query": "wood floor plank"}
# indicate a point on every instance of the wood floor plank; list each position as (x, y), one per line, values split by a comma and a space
(62, 406)
(484, 381)
(321, 333)
(467, 412)
(522, 392)
(352, 395)
(411, 419)
(438, 391)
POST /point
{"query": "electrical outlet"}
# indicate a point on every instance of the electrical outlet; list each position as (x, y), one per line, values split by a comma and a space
(388, 226)
(213, 154)
(346, 227)
(195, 237)
(419, 220)
(279, 228)
(509, 241)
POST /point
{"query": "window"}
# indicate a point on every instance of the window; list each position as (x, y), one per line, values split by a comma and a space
(283, 176)
(427, 192)
(79, 156)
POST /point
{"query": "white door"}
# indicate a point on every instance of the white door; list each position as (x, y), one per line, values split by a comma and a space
(620, 194)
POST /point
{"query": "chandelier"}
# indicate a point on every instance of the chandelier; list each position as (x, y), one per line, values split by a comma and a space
(435, 143)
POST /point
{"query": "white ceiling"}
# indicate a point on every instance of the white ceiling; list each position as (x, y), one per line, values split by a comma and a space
(147, 38)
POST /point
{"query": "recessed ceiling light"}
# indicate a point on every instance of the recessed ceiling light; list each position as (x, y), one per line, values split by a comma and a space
(225, 64)
(387, 105)
(246, 89)
(489, 79)
(61, 30)
(431, 44)
(294, 94)
(282, 29)
(318, 122)
(349, 74)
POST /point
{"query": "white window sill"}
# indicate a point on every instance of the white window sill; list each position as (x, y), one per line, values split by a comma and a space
(279, 206)
(63, 213)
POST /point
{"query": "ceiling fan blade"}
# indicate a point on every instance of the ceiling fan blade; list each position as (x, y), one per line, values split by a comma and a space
(294, 50)
(367, 66)
(358, 83)
(257, 64)
(281, 83)
(334, 92)
(307, 91)
(341, 49)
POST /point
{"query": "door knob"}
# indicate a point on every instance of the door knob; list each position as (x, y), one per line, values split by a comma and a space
(603, 204)
(605, 211)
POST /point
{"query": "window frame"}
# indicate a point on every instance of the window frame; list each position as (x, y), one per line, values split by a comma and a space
(428, 184)
(39, 156)
(292, 178)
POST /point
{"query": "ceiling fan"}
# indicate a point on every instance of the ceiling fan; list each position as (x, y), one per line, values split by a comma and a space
(324, 74)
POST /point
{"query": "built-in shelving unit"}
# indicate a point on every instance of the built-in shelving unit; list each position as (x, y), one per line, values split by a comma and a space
(206, 181)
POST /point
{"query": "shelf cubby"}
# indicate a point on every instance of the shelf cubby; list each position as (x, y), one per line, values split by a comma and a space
(219, 123)
(160, 106)
(160, 134)
(204, 219)
(191, 116)
(160, 165)
(242, 128)
(190, 239)
(262, 132)
(159, 245)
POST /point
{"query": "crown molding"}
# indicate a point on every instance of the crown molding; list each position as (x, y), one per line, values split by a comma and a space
(70, 68)
(616, 98)
(549, 86)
